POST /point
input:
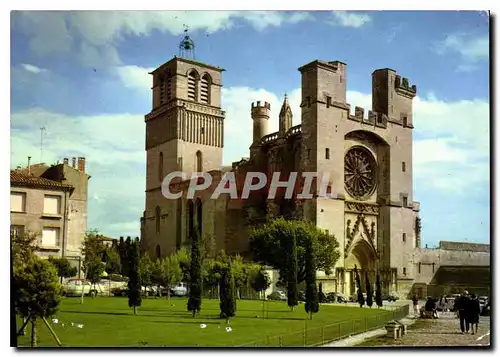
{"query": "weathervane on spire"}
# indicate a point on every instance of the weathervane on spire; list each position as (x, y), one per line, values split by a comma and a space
(186, 46)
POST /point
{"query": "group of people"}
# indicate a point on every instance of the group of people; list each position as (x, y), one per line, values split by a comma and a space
(468, 309)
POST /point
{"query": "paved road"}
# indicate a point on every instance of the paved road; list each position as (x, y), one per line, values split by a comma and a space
(444, 331)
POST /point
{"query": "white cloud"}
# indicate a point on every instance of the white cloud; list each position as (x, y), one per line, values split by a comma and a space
(135, 77)
(470, 49)
(98, 32)
(113, 146)
(349, 19)
(33, 69)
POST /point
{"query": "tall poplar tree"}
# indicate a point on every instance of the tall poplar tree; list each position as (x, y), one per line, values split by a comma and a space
(312, 303)
(134, 284)
(292, 293)
(195, 277)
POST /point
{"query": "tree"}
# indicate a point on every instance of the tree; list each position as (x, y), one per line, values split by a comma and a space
(113, 264)
(259, 279)
(378, 292)
(227, 293)
(23, 246)
(292, 293)
(360, 298)
(172, 272)
(239, 274)
(134, 284)
(312, 303)
(268, 245)
(63, 267)
(184, 258)
(157, 274)
(195, 278)
(321, 294)
(145, 270)
(122, 251)
(92, 251)
(38, 291)
(369, 292)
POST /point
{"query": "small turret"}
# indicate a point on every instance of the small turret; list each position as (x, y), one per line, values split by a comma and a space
(260, 116)
(285, 118)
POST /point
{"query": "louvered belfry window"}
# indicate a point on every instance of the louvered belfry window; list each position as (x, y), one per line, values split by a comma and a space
(205, 89)
(192, 86)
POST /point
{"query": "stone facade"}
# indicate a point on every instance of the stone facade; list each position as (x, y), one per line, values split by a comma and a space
(368, 159)
(67, 186)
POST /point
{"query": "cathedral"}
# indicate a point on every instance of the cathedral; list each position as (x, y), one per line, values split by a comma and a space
(367, 156)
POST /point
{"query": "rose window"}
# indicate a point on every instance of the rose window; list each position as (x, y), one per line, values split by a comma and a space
(360, 172)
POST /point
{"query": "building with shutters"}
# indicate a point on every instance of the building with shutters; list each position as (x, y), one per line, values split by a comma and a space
(51, 201)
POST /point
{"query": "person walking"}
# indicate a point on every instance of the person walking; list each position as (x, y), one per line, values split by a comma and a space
(473, 312)
(415, 305)
(462, 308)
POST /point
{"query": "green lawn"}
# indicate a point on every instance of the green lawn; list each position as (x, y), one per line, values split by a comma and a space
(110, 322)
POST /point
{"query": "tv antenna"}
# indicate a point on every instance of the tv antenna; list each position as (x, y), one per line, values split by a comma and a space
(42, 130)
(186, 46)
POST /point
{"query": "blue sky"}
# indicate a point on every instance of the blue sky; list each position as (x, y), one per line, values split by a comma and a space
(83, 75)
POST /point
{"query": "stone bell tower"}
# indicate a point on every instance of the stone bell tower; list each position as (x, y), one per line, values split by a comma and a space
(184, 132)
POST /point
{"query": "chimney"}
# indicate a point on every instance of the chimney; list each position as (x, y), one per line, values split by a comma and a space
(65, 160)
(73, 162)
(29, 165)
(81, 164)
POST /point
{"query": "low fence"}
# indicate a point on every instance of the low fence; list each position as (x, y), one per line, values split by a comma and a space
(317, 336)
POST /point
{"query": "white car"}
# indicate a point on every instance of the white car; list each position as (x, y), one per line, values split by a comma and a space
(74, 287)
(179, 289)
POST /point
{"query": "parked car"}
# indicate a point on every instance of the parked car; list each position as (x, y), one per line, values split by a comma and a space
(390, 297)
(277, 295)
(179, 290)
(75, 287)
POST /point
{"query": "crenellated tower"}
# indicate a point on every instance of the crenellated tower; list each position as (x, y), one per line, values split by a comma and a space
(393, 96)
(260, 112)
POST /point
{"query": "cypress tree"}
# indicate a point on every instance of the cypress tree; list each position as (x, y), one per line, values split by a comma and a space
(134, 285)
(292, 293)
(227, 294)
(378, 292)
(195, 281)
(312, 303)
(360, 298)
(321, 294)
(369, 293)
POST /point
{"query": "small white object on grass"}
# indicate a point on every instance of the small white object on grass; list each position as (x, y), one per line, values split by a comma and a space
(203, 325)
(79, 326)
(55, 321)
(229, 329)
(72, 324)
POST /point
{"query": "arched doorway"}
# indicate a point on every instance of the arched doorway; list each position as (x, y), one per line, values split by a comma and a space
(363, 256)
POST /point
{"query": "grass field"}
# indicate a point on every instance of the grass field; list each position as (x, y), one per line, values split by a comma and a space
(109, 322)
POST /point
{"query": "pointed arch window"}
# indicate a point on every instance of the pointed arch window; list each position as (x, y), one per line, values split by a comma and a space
(157, 219)
(205, 85)
(160, 167)
(192, 85)
(199, 161)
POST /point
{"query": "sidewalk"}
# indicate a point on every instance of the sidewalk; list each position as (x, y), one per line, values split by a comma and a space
(444, 331)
